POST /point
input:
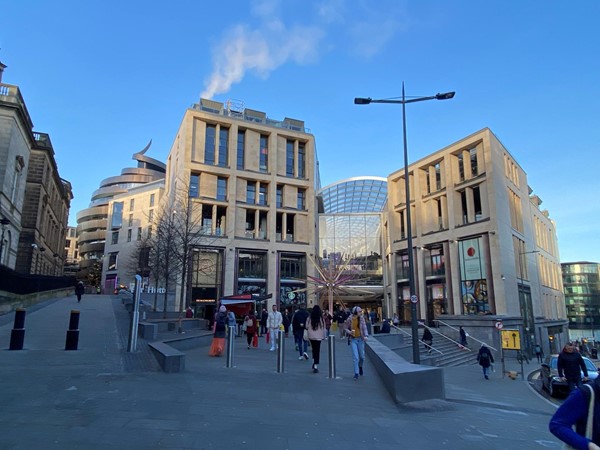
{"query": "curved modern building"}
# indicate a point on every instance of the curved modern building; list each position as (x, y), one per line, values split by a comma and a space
(92, 222)
(352, 239)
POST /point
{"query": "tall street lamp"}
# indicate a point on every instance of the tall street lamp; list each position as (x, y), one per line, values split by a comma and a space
(526, 307)
(411, 278)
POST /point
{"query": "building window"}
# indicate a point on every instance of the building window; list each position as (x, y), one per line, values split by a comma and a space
(301, 160)
(129, 235)
(264, 153)
(252, 265)
(279, 194)
(150, 232)
(139, 233)
(117, 215)
(263, 194)
(473, 155)
(241, 144)
(461, 167)
(130, 220)
(289, 158)
(301, 199)
(112, 261)
(464, 207)
(223, 146)
(194, 185)
(209, 144)
(477, 203)
(131, 204)
(151, 200)
(222, 189)
(251, 193)
(151, 216)
(114, 238)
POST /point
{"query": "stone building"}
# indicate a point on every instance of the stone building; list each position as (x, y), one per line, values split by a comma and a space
(484, 251)
(250, 182)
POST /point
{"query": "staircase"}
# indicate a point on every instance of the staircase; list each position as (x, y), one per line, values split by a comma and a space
(445, 352)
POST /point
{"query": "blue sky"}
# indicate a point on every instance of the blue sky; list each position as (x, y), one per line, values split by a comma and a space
(103, 78)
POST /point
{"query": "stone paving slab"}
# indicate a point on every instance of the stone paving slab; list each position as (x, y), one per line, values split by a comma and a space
(101, 397)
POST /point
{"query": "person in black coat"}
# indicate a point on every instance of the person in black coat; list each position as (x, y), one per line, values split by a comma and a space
(427, 339)
(570, 365)
(263, 321)
(485, 360)
(79, 290)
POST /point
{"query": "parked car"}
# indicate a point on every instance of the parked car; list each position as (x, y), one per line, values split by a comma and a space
(552, 383)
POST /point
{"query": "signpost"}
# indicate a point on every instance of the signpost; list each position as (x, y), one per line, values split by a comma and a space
(511, 340)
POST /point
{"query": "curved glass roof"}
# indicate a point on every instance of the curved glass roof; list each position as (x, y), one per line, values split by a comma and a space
(355, 195)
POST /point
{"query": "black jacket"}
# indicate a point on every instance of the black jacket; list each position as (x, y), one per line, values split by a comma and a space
(570, 365)
(299, 320)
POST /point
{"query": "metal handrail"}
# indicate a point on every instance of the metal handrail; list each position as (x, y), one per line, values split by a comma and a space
(475, 339)
(409, 334)
(444, 336)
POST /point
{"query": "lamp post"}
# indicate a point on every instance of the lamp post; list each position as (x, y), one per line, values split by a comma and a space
(3, 222)
(411, 278)
(526, 307)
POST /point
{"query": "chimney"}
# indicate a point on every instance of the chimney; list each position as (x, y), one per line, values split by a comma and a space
(2, 67)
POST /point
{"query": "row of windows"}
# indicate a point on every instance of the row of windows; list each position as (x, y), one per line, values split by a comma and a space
(216, 151)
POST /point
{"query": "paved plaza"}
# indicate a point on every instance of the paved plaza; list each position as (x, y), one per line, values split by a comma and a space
(102, 397)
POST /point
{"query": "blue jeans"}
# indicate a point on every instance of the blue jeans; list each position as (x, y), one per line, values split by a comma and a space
(300, 342)
(486, 370)
(358, 353)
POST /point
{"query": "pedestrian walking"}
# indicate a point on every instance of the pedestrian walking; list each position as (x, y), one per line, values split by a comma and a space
(328, 318)
(218, 343)
(538, 353)
(341, 319)
(427, 339)
(250, 322)
(298, 323)
(570, 364)
(274, 321)
(373, 316)
(263, 321)
(356, 329)
(582, 410)
(463, 336)
(485, 360)
(79, 290)
(287, 321)
(316, 330)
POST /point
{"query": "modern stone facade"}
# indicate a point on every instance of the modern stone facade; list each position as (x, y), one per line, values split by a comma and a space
(483, 249)
(250, 181)
(92, 222)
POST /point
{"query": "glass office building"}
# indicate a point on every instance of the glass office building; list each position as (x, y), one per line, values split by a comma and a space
(581, 282)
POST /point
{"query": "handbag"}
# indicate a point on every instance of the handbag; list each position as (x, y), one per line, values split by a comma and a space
(255, 340)
(589, 425)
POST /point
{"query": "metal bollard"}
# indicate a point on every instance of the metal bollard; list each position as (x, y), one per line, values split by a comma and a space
(230, 346)
(331, 358)
(135, 316)
(73, 331)
(17, 335)
(280, 352)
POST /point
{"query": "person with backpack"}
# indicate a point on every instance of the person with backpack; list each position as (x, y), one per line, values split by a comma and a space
(576, 410)
(219, 331)
(485, 360)
(538, 353)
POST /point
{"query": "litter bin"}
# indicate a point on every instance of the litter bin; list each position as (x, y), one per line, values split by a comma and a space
(594, 353)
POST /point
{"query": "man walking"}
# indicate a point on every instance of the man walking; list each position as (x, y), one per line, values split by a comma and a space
(570, 365)
(274, 321)
(298, 323)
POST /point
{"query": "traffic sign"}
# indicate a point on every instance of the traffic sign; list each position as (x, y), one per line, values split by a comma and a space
(511, 339)
(414, 298)
(499, 325)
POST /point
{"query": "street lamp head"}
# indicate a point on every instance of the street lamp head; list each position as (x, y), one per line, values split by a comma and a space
(445, 96)
(362, 100)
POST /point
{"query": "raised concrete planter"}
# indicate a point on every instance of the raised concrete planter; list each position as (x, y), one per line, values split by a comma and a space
(406, 382)
(170, 359)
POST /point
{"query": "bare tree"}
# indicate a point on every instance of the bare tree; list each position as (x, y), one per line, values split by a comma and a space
(165, 249)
